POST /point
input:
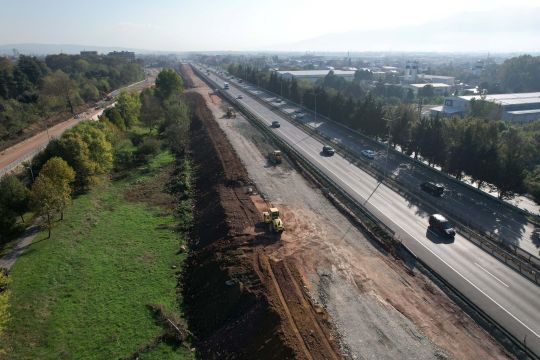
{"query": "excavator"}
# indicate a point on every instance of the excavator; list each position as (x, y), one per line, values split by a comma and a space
(275, 157)
(273, 221)
(230, 114)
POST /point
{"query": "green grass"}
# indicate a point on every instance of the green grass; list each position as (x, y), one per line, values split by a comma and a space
(82, 294)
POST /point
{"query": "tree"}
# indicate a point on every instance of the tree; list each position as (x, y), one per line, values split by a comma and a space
(72, 148)
(512, 160)
(51, 191)
(521, 74)
(176, 124)
(58, 170)
(14, 195)
(60, 92)
(129, 107)
(99, 146)
(151, 113)
(168, 82)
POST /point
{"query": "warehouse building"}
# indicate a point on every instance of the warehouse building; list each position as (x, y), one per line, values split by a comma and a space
(314, 75)
(516, 107)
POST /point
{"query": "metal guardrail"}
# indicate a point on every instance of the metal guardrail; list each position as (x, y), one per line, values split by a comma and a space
(295, 154)
(408, 158)
(518, 259)
(491, 323)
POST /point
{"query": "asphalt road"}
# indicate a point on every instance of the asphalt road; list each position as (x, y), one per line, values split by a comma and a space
(478, 211)
(502, 293)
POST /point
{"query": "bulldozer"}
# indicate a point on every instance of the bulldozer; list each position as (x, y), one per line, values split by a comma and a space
(275, 157)
(230, 114)
(273, 221)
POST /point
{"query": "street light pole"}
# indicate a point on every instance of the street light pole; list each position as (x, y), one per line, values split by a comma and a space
(315, 95)
(387, 148)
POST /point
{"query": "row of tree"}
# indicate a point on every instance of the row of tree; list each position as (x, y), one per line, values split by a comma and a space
(74, 162)
(488, 151)
(32, 89)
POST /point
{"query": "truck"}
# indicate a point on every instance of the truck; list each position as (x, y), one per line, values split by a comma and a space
(226, 86)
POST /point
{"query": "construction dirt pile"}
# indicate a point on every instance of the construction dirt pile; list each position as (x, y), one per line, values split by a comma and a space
(241, 304)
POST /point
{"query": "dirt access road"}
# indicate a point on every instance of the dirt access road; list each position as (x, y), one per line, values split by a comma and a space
(379, 308)
(25, 149)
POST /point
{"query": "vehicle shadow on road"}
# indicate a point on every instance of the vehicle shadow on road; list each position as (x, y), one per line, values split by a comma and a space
(510, 231)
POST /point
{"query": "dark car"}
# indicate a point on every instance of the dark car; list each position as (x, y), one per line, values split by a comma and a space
(432, 188)
(328, 150)
(276, 124)
(438, 223)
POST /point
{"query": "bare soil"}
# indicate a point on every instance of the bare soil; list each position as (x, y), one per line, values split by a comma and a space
(374, 305)
(240, 303)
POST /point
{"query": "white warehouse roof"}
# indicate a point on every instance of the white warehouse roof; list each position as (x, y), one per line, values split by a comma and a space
(310, 73)
(508, 99)
(435, 85)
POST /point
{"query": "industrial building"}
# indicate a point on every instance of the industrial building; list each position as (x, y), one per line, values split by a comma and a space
(439, 89)
(314, 75)
(516, 107)
(129, 55)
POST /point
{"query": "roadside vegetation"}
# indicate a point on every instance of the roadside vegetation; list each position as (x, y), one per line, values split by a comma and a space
(482, 147)
(103, 277)
(33, 90)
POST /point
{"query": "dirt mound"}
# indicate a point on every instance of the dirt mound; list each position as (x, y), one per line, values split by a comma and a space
(185, 73)
(226, 307)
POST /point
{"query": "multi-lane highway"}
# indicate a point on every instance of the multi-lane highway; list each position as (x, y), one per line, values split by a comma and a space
(505, 295)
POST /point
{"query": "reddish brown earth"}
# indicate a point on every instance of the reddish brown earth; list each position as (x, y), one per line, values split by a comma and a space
(241, 303)
(285, 272)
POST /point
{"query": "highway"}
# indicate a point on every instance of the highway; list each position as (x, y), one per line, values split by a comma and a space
(503, 294)
(476, 210)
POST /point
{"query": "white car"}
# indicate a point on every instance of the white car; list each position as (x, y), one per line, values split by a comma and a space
(370, 154)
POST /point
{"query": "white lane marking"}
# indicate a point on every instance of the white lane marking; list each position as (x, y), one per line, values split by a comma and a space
(496, 278)
(428, 249)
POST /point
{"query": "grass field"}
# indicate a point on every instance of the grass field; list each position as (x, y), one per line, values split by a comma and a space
(82, 294)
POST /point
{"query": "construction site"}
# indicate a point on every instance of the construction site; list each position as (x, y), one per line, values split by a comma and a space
(276, 271)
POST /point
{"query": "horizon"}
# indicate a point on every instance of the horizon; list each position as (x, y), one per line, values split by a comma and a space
(302, 26)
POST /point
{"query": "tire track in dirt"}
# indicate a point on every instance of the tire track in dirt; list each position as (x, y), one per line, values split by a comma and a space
(238, 301)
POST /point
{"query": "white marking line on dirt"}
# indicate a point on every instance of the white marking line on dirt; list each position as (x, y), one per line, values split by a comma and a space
(493, 276)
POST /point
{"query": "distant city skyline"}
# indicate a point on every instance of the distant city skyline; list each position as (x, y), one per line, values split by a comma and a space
(302, 25)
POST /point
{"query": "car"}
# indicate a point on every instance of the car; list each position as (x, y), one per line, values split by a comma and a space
(240, 96)
(297, 111)
(278, 100)
(440, 224)
(276, 124)
(328, 150)
(370, 154)
(299, 115)
(432, 188)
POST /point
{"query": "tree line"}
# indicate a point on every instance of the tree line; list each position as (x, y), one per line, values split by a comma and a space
(495, 152)
(32, 88)
(74, 162)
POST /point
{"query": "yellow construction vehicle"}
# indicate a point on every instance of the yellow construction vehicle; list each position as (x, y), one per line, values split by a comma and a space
(275, 157)
(230, 114)
(273, 221)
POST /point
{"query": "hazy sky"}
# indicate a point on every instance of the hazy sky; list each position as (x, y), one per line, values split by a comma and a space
(243, 24)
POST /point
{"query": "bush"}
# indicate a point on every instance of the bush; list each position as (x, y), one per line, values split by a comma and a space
(148, 148)
(124, 154)
(4, 306)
